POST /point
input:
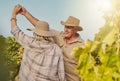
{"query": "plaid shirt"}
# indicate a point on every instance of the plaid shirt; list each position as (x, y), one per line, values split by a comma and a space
(41, 61)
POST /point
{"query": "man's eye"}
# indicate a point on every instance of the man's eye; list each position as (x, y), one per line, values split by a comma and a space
(69, 27)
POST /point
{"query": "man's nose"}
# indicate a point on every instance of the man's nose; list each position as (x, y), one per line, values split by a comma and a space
(65, 29)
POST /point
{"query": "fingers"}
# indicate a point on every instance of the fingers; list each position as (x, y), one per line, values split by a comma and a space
(23, 10)
(18, 7)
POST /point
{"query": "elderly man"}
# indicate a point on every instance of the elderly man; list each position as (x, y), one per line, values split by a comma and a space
(67, 40)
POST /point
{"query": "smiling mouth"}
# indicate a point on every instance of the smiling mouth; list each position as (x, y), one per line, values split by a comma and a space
(65, 32)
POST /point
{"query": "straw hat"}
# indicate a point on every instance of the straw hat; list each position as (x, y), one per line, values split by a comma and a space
(72, 21)
(42, 29)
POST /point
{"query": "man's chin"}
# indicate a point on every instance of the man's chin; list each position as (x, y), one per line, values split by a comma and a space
(67, 37)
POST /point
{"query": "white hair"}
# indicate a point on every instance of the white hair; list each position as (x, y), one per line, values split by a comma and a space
(46, 38)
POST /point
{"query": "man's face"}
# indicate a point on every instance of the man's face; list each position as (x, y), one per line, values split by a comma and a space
(69, 31)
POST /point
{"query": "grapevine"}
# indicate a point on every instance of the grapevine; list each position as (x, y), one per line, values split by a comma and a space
(99, 60)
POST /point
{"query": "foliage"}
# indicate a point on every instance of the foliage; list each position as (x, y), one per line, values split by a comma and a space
(4, 73)
(14, 54)
(11, 54)
(98, 63)
(99, 60)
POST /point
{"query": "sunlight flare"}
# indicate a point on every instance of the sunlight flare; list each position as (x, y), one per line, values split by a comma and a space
(104, 4)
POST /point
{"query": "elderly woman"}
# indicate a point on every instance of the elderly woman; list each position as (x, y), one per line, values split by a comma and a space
(42, 59)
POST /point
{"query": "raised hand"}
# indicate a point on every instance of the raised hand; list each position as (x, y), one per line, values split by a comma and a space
(19, 9)
(16, 10)
(22, 10)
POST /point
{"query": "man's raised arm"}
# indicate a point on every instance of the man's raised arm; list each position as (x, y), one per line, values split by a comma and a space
(28, 16)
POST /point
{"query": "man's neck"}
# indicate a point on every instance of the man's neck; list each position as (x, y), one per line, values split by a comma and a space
(71, 39)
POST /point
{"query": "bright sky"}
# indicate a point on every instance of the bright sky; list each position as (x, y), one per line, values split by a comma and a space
(53, 11)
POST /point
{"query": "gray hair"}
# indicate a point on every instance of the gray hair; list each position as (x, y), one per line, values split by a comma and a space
(46, 38)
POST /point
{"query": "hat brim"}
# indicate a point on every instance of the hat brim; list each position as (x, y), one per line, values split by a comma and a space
(49, 33)
(44, 33)
(67, 24)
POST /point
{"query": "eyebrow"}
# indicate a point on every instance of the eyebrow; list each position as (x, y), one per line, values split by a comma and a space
(69, 26)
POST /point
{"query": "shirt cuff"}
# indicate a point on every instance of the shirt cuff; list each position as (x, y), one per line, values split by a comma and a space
(13, 31)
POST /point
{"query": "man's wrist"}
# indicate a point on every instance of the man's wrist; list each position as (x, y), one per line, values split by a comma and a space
(14, 15)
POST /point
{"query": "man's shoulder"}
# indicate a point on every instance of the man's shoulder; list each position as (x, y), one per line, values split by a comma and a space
(56, 32)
